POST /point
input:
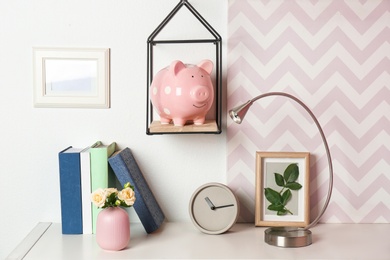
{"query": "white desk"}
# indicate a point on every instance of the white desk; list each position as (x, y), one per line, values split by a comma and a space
(183, 241)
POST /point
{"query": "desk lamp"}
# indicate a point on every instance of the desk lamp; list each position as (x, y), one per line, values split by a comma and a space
(289, 236)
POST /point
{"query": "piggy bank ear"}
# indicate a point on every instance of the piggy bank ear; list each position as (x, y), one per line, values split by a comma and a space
(176, 66)
(207, 65)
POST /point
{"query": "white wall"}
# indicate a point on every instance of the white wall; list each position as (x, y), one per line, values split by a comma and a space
(175, 165)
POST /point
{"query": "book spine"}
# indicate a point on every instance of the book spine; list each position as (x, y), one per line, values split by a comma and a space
(85, 165)
(86, 187)
(100, 177)
(126, 169)
(70, 191)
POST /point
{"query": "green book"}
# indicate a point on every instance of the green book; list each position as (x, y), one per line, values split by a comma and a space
(101, 174)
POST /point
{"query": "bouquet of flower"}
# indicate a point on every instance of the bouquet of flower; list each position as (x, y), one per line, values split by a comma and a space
(111, 197)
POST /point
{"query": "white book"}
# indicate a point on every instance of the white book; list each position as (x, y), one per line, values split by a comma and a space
(86, 188)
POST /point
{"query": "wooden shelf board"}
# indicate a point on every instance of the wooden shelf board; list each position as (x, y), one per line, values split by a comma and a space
(210, 126)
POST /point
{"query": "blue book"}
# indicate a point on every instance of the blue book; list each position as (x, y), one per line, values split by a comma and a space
(126, 170)
(70, 190)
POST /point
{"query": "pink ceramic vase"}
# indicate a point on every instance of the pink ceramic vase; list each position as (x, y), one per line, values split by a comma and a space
(113, 229)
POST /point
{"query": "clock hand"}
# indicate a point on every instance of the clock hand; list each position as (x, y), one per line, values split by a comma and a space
(224, 206)
(211, 205)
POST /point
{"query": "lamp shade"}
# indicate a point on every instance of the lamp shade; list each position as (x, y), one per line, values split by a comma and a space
(238, 113)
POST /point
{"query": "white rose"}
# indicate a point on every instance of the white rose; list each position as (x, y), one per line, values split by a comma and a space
(98, 197)
(109, 191)
(127, 195)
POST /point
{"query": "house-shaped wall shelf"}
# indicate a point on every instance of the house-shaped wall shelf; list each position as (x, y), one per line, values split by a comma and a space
(214, 42)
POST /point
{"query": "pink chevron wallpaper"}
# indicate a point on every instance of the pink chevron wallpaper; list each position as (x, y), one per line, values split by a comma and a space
(334, 56)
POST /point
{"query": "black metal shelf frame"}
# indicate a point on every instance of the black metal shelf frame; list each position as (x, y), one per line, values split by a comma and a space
(216, 40)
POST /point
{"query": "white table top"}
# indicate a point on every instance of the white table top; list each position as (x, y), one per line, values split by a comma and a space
(184, 241)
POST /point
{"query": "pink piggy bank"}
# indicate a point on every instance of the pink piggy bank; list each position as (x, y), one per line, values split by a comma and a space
(183, 92)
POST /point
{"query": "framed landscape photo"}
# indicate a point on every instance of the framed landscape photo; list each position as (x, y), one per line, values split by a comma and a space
(70, 77)
(282, 189)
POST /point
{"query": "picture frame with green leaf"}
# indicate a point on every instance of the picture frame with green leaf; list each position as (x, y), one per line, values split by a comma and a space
(282, 189)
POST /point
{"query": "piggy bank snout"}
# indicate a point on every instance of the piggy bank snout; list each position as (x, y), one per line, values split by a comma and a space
(200, 93)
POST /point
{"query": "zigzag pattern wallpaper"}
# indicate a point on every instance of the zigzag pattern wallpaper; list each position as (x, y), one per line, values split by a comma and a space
(334, 56)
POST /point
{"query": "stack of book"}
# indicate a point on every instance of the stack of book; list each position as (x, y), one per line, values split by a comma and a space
(82, 171)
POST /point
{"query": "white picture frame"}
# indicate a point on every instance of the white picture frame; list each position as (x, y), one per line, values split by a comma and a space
(71, 77)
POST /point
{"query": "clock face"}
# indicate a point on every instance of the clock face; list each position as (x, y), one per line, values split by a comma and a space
(214, 208)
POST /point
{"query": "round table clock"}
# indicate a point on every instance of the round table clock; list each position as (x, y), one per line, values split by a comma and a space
(214, 208)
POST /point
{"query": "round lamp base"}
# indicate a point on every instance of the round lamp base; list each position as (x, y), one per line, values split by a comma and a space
(287, 237)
